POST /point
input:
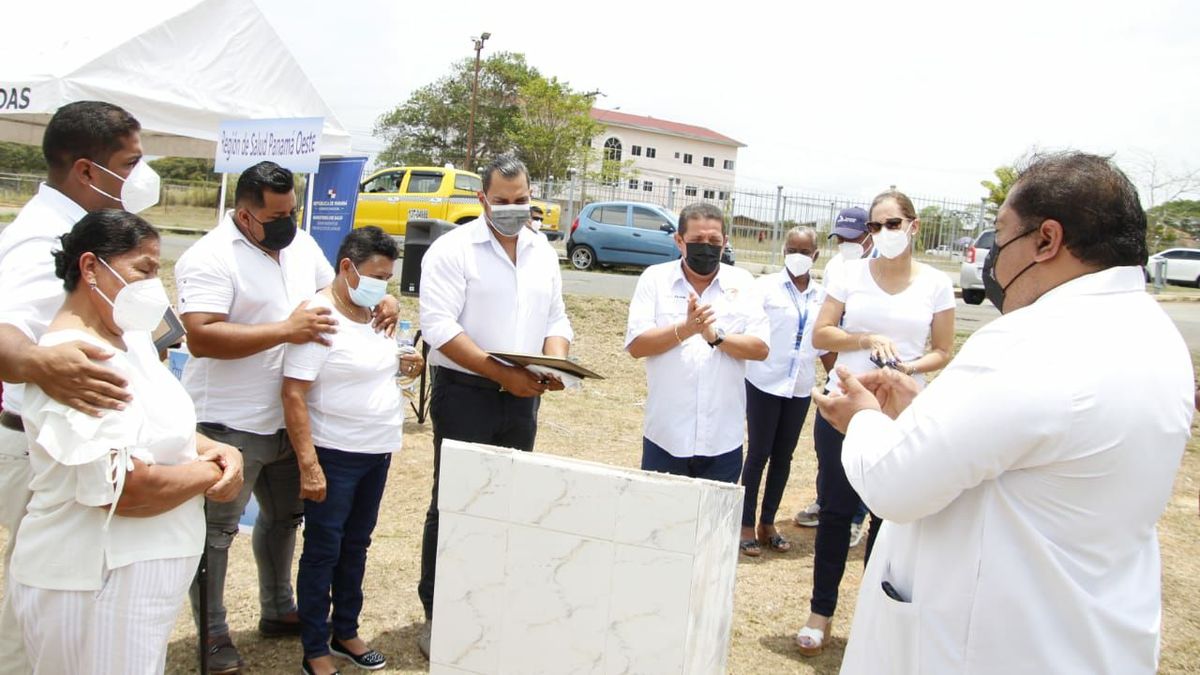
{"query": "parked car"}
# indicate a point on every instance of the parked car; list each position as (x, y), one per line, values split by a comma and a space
(625, 233)
(389, 197)
(970, 276)
(1183, 266)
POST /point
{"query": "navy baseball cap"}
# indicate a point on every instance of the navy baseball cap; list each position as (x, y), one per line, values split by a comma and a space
(851, 223)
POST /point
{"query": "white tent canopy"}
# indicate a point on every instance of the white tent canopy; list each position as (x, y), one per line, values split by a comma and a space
(179, 68)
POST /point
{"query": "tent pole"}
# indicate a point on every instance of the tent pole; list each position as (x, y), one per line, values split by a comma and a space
(221, 198)
(308, 196)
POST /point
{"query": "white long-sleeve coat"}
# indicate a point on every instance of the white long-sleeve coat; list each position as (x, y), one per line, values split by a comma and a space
(1022, 489)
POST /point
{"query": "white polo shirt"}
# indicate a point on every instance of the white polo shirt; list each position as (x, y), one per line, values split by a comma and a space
(790, 369)
(469, 285)
(30, 292)
(224, 273)
(353, 403)
(66, 540)
(696, 400)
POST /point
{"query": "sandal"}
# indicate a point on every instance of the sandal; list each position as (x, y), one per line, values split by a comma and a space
(776, 543)
(750, 548)
(816, 638)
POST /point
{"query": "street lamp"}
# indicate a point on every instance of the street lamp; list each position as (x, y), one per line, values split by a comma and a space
(474, 93)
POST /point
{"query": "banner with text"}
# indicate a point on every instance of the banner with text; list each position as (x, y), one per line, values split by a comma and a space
(335, 196)
(291, 143)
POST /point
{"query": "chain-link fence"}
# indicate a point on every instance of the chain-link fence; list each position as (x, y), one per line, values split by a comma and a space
(759, 219)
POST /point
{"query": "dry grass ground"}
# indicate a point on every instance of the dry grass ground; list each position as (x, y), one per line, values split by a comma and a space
(603, 423)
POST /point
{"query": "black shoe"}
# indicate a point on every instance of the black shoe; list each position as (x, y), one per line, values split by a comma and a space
(274, 628)
(305, 670)
(368, 660)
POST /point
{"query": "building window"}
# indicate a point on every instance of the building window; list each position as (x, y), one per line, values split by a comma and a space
(677, 155)
(633, 183)
(729, 165)
(689, 190)
(710, 194)
(710, 162)
(647, 186)
(723, 196)
(610, 170)
(651, 153)
(687, 159)
(635, 150)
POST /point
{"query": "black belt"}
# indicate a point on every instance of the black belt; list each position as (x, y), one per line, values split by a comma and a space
(11, 421)
(442, 373)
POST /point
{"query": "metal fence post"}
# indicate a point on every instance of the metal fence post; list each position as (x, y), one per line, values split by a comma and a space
(775, 229)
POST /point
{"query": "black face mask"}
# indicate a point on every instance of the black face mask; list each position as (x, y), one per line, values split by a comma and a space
(277, 234)
(702, 258)
(992, 289)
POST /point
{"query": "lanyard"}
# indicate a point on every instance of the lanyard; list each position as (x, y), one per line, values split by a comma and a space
(801, 306)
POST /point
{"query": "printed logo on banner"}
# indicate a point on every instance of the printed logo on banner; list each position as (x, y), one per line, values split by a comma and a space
(291, 143)
(333, 216)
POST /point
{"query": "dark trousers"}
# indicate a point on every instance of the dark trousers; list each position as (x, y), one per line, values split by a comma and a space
(337, 533)
(773, 424)
(724, 467)
(473, 409)
(839, 502)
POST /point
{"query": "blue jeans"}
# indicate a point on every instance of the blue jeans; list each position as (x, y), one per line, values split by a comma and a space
(726, 468)
(337, 533)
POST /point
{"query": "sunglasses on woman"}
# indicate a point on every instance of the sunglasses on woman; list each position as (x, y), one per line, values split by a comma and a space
(891, 224)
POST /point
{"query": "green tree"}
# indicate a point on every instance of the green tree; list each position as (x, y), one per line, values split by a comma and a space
(998, 189)
(20, 158)
(554, 127)
(431, 126)
(185, 169)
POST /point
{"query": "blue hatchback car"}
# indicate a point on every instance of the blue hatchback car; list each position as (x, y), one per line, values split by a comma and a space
(622, 233)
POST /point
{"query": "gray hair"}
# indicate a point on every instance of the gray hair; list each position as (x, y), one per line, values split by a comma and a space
(801, 230)
(508, 165)
(700, 211)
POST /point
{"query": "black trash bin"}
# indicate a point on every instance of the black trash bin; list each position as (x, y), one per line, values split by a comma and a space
(420, 233)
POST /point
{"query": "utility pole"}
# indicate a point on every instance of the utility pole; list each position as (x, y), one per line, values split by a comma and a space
(474, 95)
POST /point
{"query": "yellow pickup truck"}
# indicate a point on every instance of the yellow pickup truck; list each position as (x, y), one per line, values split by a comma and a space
(389, 197)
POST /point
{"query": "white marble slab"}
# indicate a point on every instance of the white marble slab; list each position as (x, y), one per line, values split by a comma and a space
(553, 565)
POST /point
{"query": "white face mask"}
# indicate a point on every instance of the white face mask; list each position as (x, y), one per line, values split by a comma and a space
(892, 243)
(535, 225)
(139, 191)
(139, 306)
(798, 264)
(850, 250)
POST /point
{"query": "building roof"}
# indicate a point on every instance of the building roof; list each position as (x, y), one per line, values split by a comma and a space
(620, 119)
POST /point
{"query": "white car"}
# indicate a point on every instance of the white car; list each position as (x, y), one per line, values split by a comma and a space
(1183, 265)
(970, 276)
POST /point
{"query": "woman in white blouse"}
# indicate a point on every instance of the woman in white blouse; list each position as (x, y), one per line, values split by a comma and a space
(345, 418)
(779, 389)
(886, 312)
(113, 533)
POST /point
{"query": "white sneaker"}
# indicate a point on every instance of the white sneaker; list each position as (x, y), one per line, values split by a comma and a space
(808, 517)
(856, 534)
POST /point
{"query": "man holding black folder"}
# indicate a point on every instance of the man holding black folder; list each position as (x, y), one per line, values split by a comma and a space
(487, 286)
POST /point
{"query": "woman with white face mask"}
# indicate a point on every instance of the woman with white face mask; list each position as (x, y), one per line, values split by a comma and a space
(344, 417)
(779, 389)
(885, 312)
(114, 530)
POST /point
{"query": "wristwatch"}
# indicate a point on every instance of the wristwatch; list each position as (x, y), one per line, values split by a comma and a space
(720, 338)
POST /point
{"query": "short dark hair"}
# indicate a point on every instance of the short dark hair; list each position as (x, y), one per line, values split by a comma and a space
(1102, 218)
(106, 233)
(365, 242)
(700, 211)
(508, 165)
(86, 130)
(535, 209)
(259, 178)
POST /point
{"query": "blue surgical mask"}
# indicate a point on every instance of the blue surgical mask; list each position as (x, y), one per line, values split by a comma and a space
(369, 292)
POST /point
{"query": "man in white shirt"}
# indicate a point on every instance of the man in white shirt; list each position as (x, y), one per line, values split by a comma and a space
(696, 322)
(490, 285)
(1022, 487)
(243, 292)
(853, 241)
(90, 147)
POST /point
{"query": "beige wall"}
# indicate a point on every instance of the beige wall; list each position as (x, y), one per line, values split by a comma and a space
(664, 164)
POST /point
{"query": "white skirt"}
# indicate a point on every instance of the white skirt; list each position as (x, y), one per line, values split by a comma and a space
(123, 628)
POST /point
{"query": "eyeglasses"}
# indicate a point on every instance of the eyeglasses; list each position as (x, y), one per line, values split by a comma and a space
(891, 224)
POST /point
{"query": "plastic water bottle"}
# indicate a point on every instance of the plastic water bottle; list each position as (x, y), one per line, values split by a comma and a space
(405, 345)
